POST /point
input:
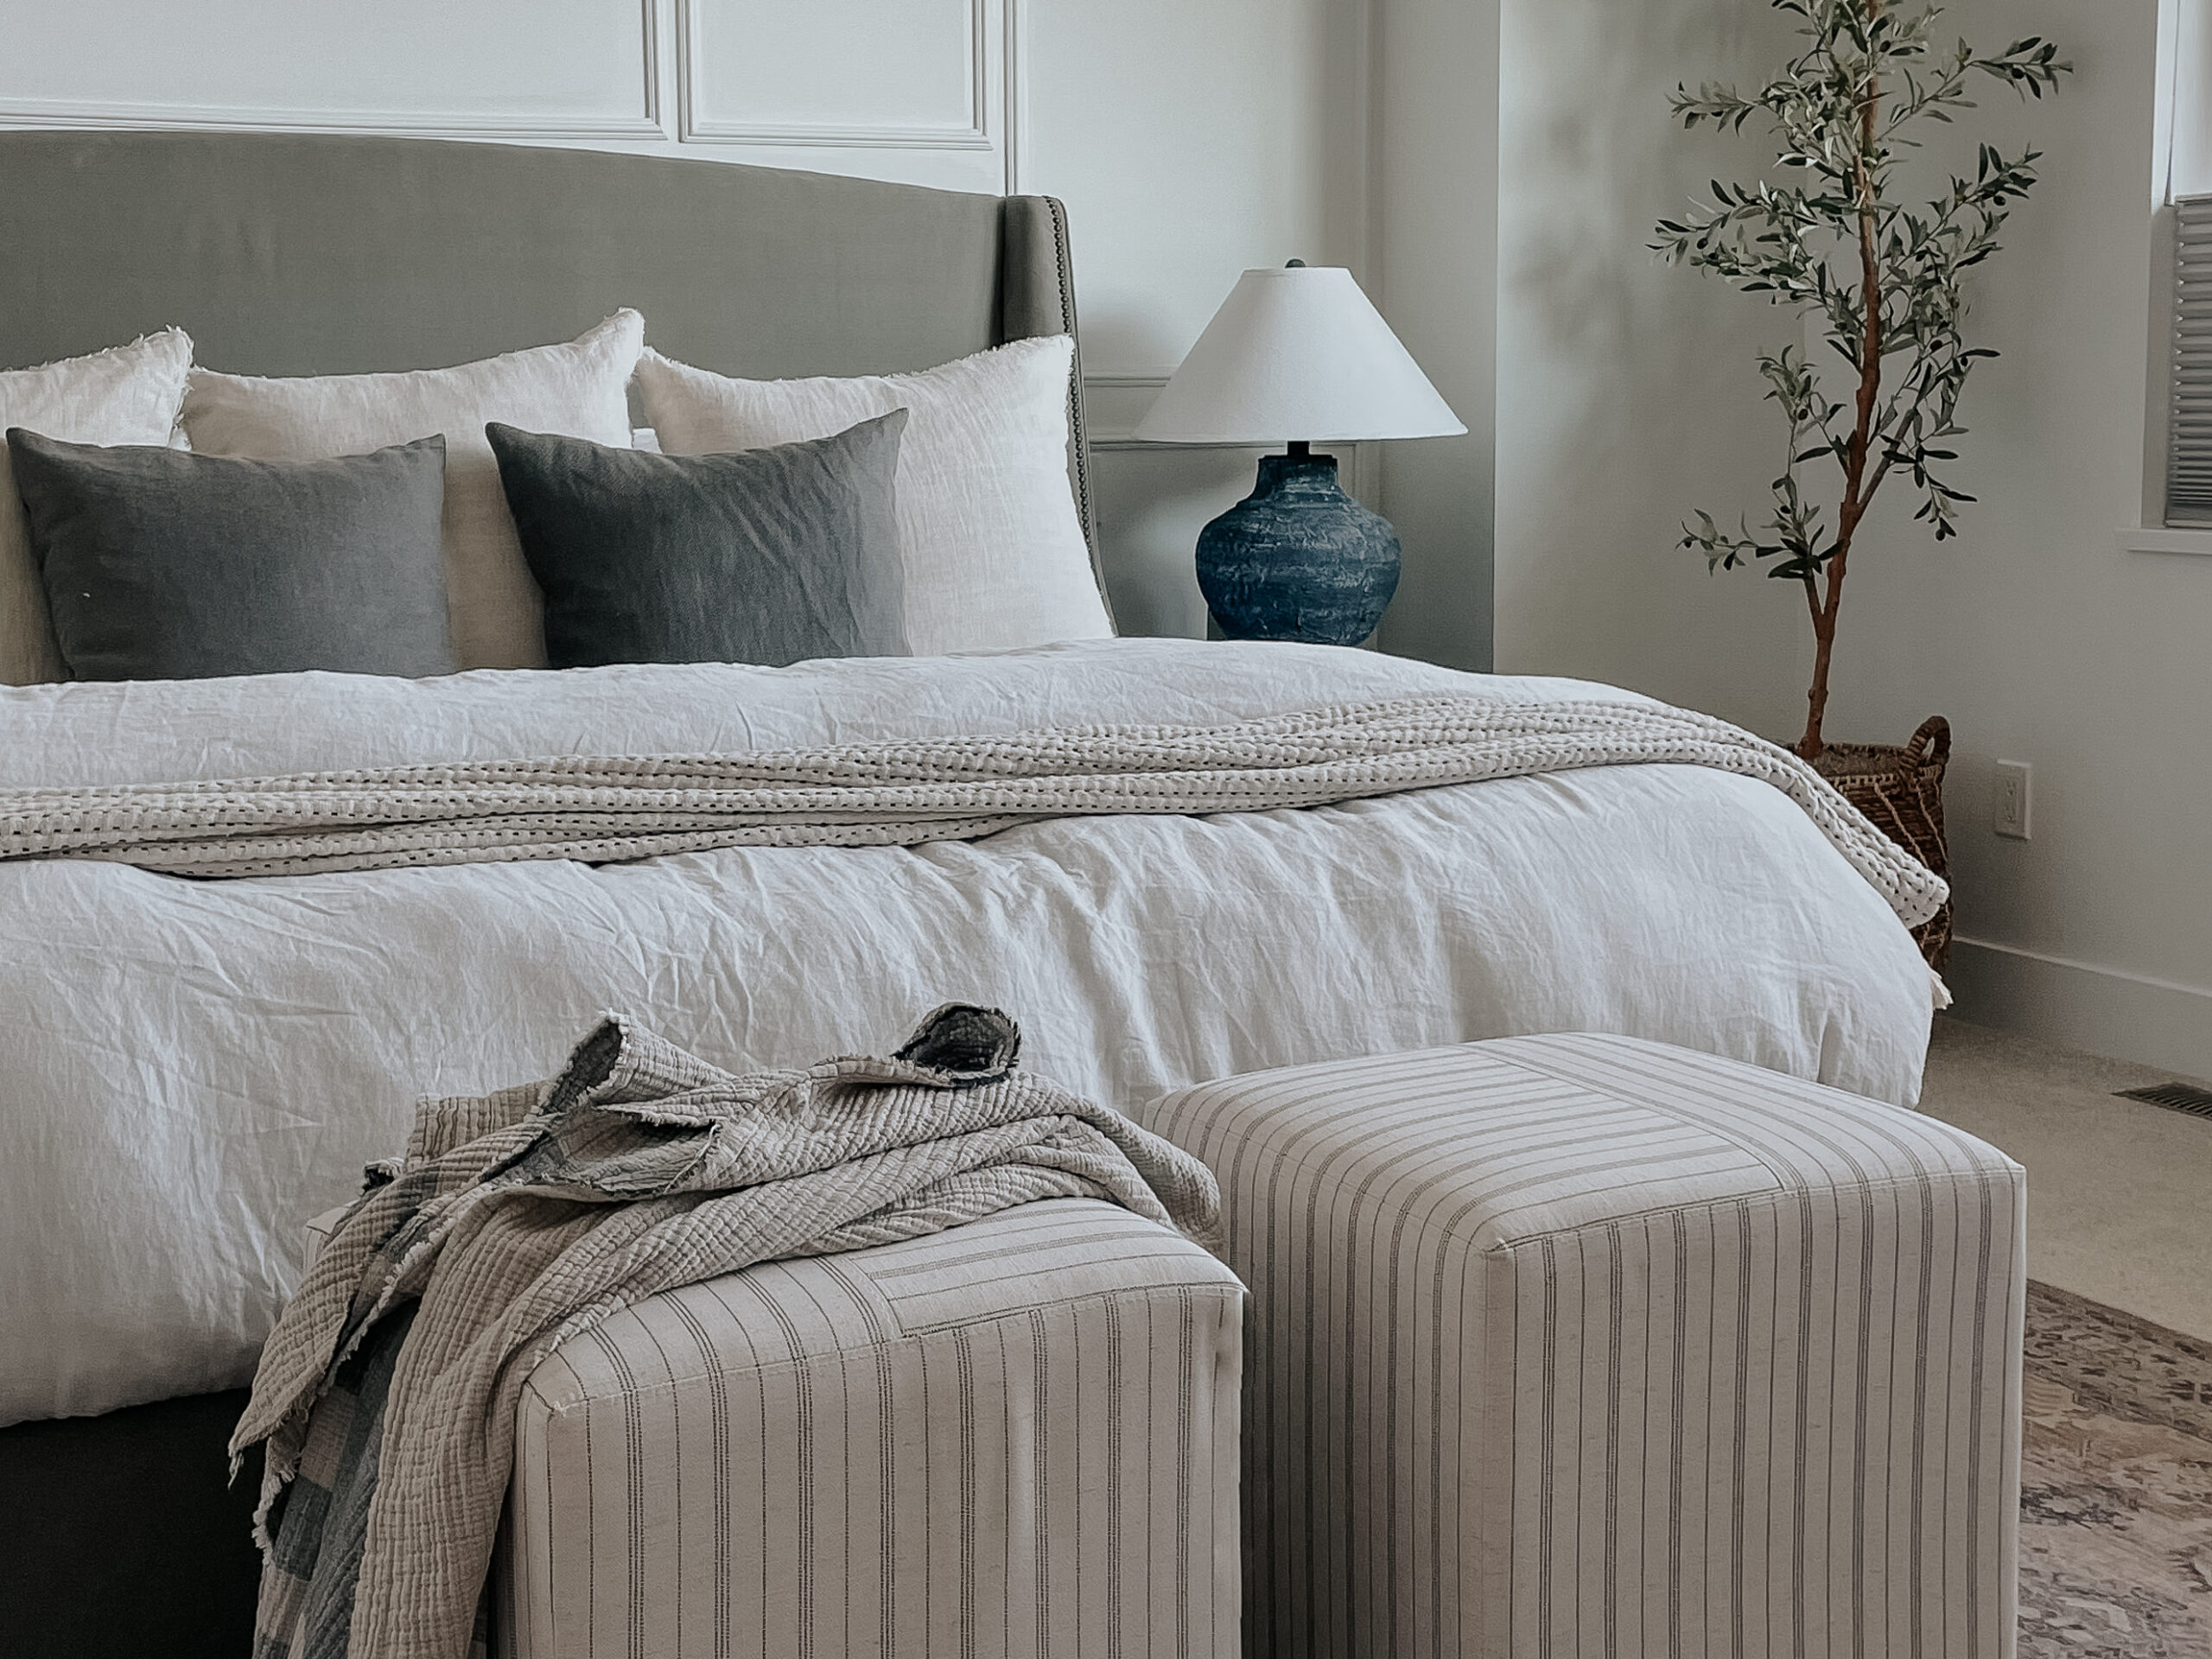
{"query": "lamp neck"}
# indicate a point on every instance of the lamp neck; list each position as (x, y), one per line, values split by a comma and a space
(1300, 449)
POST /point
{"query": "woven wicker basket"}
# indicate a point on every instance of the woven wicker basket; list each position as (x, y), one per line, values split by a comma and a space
(1901, 790)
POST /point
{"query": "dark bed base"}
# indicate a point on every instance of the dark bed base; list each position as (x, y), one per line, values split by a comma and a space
(121, 1537)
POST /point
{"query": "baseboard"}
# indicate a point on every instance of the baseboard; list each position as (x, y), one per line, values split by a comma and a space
(2080, 1005)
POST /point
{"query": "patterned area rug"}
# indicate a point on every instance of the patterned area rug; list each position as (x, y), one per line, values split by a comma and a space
(2115, 1486)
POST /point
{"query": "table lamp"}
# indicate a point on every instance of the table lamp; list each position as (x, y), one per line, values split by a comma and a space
(1297, 356)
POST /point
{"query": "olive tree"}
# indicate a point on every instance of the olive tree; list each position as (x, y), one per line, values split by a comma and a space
(1839, 238)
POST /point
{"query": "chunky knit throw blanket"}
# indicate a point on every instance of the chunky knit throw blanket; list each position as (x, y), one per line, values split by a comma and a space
(387, 1393)
(606, 810)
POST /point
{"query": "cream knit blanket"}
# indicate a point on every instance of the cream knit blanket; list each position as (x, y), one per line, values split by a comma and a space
(526, 1217)
(610, 808)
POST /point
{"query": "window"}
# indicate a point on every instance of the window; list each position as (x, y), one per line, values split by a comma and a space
(2179, 480)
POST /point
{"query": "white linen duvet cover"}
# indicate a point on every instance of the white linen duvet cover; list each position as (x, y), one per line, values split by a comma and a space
(189, 1068)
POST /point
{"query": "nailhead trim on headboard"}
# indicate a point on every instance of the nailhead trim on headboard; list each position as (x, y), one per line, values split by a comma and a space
(1085, 507)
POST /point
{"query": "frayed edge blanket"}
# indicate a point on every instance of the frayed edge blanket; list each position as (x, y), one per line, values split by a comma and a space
(609, 809)
(387, 1393)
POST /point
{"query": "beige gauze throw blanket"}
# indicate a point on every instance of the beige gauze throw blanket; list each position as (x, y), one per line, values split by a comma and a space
(607, 810)
(525, 1217)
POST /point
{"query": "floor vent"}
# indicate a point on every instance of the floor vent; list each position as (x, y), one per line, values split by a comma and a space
(2180, 1097)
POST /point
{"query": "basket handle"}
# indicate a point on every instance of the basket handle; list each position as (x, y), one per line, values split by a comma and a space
(1934, 731)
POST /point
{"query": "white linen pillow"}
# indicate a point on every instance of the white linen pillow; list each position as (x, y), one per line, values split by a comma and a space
(128, 394)
(995, 553)
(579, 391)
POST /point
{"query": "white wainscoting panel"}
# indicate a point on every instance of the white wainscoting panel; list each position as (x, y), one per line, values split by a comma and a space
(583, 70)
(842, 73)
(919, 90)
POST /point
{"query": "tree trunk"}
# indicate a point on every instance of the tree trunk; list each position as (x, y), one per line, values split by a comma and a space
(1853, 505)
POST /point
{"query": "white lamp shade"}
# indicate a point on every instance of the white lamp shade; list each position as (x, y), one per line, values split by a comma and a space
(1297, 354)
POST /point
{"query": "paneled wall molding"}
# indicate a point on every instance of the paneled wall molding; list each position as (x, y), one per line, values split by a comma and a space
(978, 133)
(583, 126)
(1141, 379)
(1111, 439)
(1116, 400)
(1014, 63)
(103, 116)
(943, 100)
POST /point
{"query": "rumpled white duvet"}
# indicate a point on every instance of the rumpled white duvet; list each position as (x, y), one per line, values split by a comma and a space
(189, 1068)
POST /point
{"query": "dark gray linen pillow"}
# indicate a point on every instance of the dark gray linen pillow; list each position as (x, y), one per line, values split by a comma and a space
(770, 556)
(159, 564)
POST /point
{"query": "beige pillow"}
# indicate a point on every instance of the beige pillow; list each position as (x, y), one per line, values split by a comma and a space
(126, 395)
(994, 552)
(579, 391)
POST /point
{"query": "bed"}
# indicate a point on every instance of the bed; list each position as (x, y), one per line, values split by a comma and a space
(189, 1068)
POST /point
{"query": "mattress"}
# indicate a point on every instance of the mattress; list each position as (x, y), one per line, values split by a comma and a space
(1017, 1437)
(192, 1068)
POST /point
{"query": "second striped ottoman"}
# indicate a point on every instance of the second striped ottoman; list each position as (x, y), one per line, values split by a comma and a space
(1584, 1346)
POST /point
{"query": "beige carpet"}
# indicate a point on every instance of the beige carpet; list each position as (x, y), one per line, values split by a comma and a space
(2119, 1193)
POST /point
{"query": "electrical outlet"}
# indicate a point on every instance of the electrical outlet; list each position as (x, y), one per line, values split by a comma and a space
(2011, 818)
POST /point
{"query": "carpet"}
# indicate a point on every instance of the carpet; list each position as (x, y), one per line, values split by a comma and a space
(2115, 1486)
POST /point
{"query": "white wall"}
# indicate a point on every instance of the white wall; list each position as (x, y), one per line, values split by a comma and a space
(1433, 232)
(1192, 141)
(2040, 637)
(1189, 140)
(1626, 399)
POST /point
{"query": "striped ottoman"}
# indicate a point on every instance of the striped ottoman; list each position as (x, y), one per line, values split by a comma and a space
(1017, 1437)
(1583, 1346)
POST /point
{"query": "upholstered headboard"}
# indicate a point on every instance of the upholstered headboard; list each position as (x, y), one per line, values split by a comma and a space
(297, 255)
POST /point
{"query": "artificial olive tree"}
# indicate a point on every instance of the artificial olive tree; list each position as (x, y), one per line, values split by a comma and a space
(1839, 238)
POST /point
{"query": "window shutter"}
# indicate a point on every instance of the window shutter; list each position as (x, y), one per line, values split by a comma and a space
(2189, 427)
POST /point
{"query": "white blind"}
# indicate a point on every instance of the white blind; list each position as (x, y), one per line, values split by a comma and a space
(2189, 428)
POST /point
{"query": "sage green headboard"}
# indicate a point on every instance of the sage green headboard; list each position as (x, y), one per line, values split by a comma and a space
(297, 255)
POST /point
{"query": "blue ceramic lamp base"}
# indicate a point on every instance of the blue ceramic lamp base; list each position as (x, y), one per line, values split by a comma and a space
(1298, 558)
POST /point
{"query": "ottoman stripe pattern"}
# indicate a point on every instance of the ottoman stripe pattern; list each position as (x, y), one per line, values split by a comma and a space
(1018, 1437)
(1585, 1346)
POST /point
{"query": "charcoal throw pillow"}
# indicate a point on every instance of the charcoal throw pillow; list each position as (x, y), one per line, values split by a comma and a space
(769, 555)
(159, 564)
